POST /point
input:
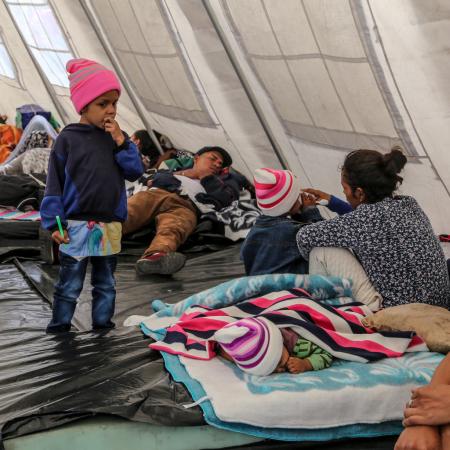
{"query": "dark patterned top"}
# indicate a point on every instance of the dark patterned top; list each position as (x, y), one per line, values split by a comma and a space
(395, 243)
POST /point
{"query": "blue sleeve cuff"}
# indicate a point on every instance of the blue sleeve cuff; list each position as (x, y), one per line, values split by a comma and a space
(339, 206)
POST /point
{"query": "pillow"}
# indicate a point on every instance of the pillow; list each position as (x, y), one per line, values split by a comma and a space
(431, 323)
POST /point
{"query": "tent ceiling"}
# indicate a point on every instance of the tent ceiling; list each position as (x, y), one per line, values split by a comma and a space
(296, 85)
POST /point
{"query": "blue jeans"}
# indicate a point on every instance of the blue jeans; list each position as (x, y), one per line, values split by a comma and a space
(68, 288)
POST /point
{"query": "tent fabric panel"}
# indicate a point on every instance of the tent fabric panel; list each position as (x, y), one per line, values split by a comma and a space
(44, 36)
(292, 28)
(237, 127)
(86, 44)
(339, 140)
(319, 94)
(415, 39)
(334, 28)
(344, 72)
(284, 91)
(419, 180)
(7, 68)
(174, 93)
(360, 96)
(28, 86)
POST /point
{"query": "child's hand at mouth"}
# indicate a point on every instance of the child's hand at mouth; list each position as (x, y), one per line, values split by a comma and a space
(111, 126)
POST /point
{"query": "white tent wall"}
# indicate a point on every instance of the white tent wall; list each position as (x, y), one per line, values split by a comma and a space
(28, 86)
(32, 86)
(181, 76)
(85, 44)
(222, 88)
(416, 38)
(293, 83)
(330, 82)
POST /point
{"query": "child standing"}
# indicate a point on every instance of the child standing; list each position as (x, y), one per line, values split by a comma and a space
(259, 347)
(270, 246)
(89, 163)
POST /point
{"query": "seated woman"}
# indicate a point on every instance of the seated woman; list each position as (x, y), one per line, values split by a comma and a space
(386, 245)
(427, 414)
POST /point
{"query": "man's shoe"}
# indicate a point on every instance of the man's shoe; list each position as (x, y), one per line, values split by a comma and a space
(160, 263)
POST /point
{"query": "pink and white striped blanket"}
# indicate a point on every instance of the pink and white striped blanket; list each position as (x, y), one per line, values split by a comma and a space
(14, 214)
(337, 329)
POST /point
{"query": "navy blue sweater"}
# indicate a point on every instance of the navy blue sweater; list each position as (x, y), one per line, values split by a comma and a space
(86, 176)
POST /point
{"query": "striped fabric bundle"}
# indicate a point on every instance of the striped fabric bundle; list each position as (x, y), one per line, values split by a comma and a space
(336, 329)
(8, 214)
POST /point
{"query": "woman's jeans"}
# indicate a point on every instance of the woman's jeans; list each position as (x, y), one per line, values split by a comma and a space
(70, 284)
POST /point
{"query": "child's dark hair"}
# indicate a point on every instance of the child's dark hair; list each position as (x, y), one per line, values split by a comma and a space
(148, 148)
(375, 173)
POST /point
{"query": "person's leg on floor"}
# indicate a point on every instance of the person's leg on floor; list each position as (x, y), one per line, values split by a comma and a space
(142, 209)
(67, 291)
(103, 291)
(174, 225)
(175, 222)
(341, 262)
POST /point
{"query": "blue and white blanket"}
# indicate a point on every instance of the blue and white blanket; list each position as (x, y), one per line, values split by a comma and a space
(349, 399)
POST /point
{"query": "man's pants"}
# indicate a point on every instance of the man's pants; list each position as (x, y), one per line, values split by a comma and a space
(70, 283)
(175, 217)
(341, 262)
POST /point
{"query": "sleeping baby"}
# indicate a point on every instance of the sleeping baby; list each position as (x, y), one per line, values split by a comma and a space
(259, 347)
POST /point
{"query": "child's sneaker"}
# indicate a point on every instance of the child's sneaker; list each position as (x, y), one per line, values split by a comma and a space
(105, 326)
(160, 263)
(55, 329)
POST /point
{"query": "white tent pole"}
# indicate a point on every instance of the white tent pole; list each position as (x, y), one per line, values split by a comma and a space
(116, 64)
(246, 86)
(51, 92)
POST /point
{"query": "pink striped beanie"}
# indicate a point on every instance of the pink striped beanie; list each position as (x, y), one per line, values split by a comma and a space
(88, 80)
(276, 191)
(255, 344)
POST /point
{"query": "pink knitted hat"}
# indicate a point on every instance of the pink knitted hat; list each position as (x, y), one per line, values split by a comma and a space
(88, 80)
(255, 344)
(276, 191)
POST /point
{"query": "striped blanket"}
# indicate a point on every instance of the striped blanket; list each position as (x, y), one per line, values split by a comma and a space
(337, 329)
(8, 214)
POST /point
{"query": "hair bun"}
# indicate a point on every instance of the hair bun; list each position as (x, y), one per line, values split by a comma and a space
(394, 161)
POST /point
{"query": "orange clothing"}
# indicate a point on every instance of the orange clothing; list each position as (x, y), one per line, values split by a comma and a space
(9, 138)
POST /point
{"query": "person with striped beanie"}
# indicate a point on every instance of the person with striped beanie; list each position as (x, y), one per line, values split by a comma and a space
(270, 246)
(259, 347)
(85, 200)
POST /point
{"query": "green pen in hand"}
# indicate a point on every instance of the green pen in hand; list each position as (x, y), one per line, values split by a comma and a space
(60, 228)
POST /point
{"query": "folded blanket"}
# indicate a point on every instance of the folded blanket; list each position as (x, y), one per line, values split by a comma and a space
(333, 290)
(348, 400)
(337, 329)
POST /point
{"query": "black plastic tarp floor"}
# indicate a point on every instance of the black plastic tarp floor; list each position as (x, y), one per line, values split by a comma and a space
(47, 380)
